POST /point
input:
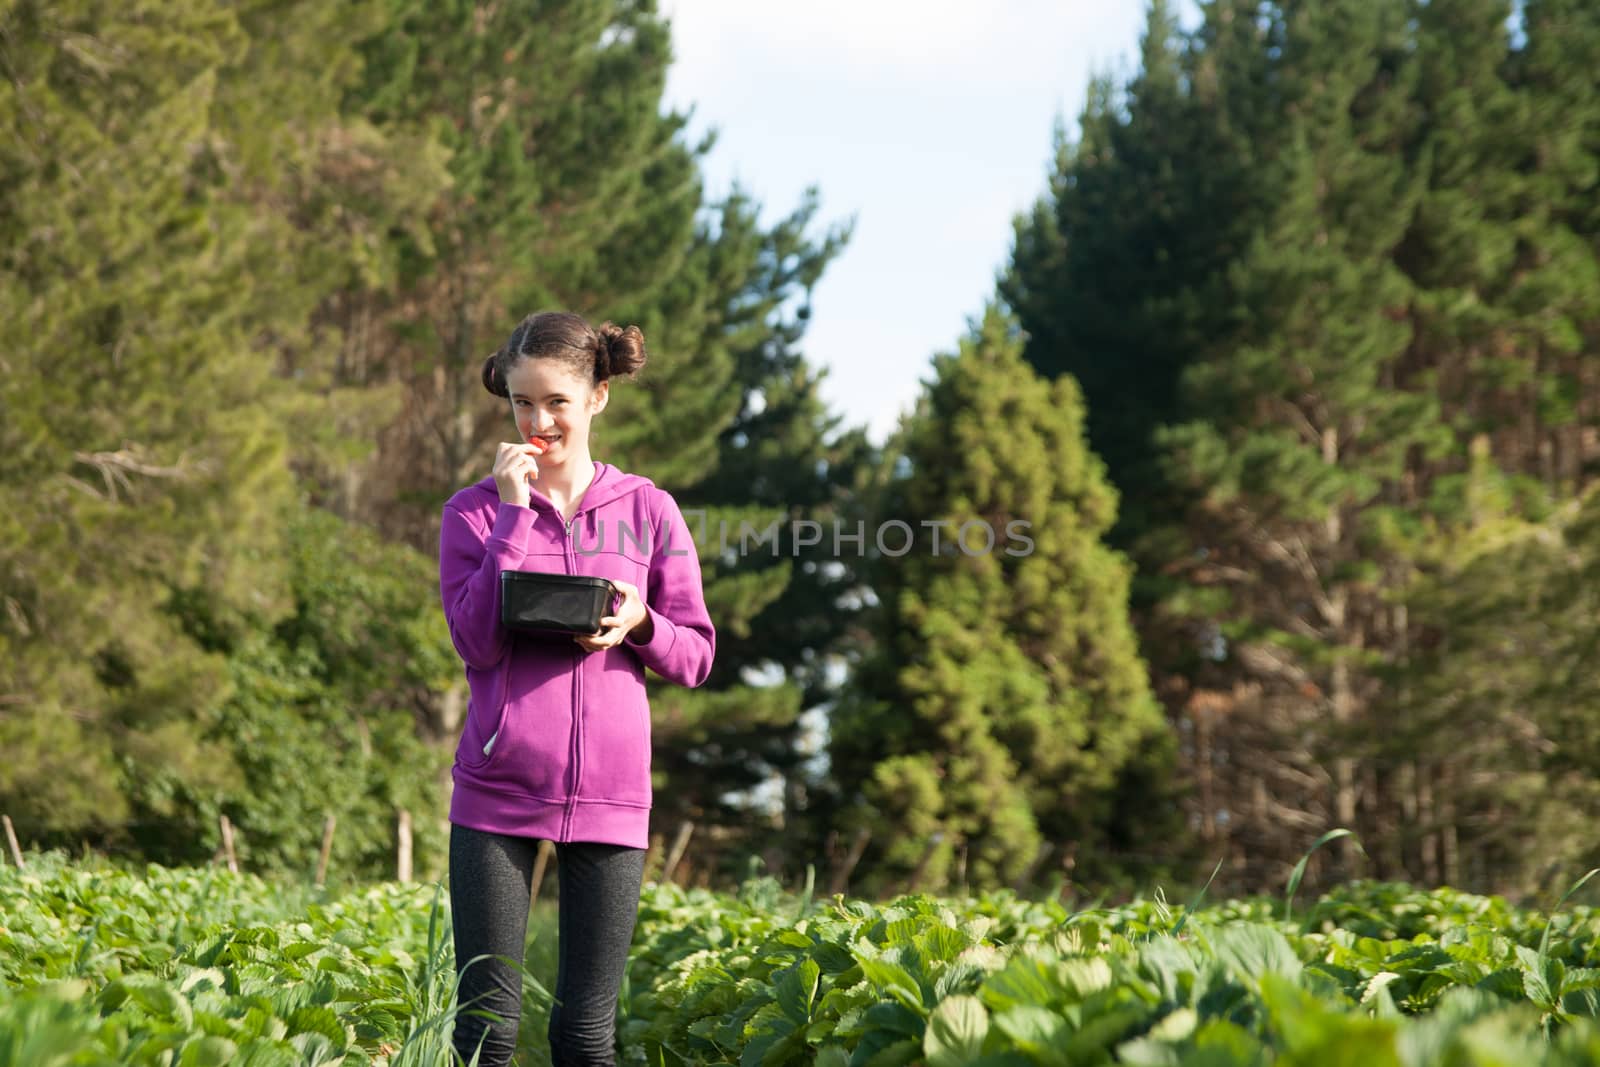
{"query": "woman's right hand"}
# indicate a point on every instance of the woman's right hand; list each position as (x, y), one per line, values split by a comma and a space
(514, 467)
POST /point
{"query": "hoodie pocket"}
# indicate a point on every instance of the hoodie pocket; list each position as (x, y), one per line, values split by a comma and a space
(486, 712)
(616, 729)
(531, 750)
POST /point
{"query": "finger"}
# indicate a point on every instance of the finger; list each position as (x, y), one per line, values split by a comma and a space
(517, 448)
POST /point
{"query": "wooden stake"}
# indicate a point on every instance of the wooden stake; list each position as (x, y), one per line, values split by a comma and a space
(808, 888)
(921, 869)
(11, 839)
(675, 854)
(652, 858)
(540, 863)
(227, 844)
(403, 861)
(841, 877)
(1025, 879)
(327, 847)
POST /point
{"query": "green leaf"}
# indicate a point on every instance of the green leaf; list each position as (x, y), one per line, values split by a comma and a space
(1536, 988)
(1176, 1026)
(896, 1018)
(318, 1019)
(1506, 983)
(895, 981)
(960, 977)
(896, 1055)
(956, 1030)
(1024, 982)
(203, 978)
(1086, 977)
(1142, 1052)
(159, 999)
(796, 988)
(1032, 1027)
(1375, 985)
(833, 958)
(1251, 951)
(208, 1051)
(942, 942)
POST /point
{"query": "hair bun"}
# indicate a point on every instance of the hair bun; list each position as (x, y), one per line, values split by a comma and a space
(491, 375)
(621, 351)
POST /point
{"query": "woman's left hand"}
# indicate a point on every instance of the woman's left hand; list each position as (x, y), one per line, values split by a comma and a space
(614, 627)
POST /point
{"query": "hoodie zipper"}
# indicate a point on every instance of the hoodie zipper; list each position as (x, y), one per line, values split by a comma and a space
(577, 697)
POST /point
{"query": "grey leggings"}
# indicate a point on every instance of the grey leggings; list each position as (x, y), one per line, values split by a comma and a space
(491, 877)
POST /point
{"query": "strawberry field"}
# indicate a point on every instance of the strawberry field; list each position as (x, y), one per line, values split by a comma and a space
(199, 967)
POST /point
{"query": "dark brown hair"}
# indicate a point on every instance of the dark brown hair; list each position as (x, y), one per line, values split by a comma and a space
(608, 352)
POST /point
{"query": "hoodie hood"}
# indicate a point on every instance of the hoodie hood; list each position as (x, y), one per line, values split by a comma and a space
(609, 484)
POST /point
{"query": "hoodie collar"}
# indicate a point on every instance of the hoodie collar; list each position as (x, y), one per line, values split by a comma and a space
(609, 483)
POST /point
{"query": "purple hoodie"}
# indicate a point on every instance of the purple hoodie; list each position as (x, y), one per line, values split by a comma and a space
(557, 739)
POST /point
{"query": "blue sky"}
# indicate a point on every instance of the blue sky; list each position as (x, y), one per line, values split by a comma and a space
(930, 122)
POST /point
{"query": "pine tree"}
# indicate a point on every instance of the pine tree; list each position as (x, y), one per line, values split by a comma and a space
(169, 374)
(1119, 273)
(1558, 289)
(1005, 701)
(336, 697)
(145, 456)
(1500, 692)
(568, 188)
(1503, 287)
(774, 465)
(1303, 434)
(1392, 256)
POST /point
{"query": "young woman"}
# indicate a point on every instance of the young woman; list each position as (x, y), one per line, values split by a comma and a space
(556, 744)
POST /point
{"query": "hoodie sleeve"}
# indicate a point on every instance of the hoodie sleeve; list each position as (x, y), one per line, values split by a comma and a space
(469, 578)
(683, 642)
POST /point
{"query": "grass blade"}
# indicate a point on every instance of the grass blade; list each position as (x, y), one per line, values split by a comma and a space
(1544, 942)
(1300, 868)
(1190, 908)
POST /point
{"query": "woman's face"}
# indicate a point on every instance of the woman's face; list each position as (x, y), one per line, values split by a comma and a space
(551, 401)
